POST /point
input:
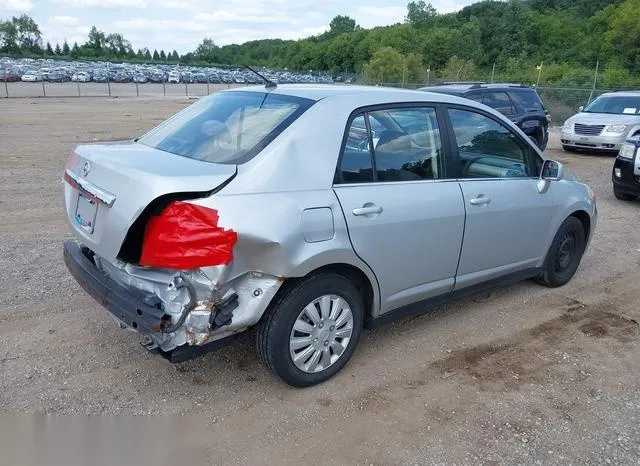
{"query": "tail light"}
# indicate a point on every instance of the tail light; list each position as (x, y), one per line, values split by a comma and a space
(186, 236)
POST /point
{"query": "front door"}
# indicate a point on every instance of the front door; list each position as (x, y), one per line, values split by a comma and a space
(405, 218)
(507, 217)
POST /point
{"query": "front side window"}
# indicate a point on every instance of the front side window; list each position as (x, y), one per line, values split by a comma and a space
(499, 101)
(228, 127)
(487, 148)
(401, 144)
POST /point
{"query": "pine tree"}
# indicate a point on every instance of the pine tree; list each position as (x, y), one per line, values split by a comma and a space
(65, 49)
(58, 50)
(156, 57)
(48, 49)
(163, 57)
(75, 50)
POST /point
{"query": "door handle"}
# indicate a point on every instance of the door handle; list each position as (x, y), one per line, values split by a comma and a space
(367, 209)
(480, 200)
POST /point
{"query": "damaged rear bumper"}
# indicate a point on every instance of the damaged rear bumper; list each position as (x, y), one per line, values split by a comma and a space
(125, 304)
(175, 324)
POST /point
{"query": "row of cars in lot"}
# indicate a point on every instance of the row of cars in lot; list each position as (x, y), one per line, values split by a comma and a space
(31, 70)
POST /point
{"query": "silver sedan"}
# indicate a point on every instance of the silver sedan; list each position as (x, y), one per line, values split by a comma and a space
(310, 212)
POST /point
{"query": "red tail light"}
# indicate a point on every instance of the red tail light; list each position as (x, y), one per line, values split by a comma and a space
(186, 236)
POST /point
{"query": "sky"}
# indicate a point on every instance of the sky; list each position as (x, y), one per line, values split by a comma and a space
(182, 24)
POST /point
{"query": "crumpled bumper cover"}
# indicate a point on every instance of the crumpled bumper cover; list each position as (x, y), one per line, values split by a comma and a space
(126, 305)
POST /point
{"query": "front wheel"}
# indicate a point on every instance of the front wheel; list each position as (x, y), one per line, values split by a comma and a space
(310, 331)
(564, 255)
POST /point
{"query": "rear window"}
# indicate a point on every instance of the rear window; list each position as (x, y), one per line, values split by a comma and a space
(529, 100)
(228, 127)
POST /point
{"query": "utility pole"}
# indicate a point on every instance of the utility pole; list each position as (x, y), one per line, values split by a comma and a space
(493, 72)
(595, 80)
(539, 73)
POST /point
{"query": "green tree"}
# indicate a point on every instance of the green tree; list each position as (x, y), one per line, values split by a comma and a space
(386, 66)
(48, 49)
(342, 24)
(9, 37)
(206, 50)
(175, 57)
(163, 56)
(623, 35)
(65, 48)
(147, 54)
(458, 69)
(421, 14)
(58, 50)
(75, 50)
(29, 37)
(117, 45)
(96, 41)
(156, 57)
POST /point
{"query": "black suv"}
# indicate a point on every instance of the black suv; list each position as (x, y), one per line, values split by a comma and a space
(518, 102)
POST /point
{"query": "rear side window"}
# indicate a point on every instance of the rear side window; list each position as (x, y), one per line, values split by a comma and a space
(499, 101)
(400, 144)
(228, 127)
(528, 99)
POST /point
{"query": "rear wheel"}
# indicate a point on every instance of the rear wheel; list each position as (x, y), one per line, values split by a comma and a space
(310, 331)
(623, 196)
(564, 255)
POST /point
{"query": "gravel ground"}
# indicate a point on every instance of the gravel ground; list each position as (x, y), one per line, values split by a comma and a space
(523, 374)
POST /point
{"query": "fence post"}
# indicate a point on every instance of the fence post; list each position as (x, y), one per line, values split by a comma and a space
(428, 75)
(109, 80)
(539, 73)
(164, 85)
(493, 72)
(186, 90)
(6, 88)
(44, 92)
(595, 80)
(77, 80)
(137, 91)
(208, 92)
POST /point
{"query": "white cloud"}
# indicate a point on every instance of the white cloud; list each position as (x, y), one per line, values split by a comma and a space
(63, 20)
(101, 3)
(143, 24)
(20, 6)
(371, 16)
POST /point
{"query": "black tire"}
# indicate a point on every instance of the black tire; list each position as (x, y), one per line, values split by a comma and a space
(623, 196)
(564, 255)
(275, 328)
(568, 148)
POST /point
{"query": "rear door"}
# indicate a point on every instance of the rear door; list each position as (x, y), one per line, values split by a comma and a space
(507, 217)
(404, 214)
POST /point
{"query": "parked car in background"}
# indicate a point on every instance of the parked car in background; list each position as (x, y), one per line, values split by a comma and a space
(521, 104)
(172, 240)
(626, 171)
(81, 76)
(140, 78)
(174, 77)
(157, 77)
(604, 124)
(32, 76)
(100, 77)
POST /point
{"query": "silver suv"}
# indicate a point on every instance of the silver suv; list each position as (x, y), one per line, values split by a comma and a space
(604, 124)
(309, 212)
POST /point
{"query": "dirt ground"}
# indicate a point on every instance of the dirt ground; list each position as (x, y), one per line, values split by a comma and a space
(524, 374)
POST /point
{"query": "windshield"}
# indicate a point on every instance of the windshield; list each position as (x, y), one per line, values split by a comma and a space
(228, 127)
(619, 105)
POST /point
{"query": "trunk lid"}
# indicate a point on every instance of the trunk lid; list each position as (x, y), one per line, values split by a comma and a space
(132, 175)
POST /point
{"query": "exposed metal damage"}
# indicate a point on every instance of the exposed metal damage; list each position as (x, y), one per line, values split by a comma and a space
(200, 306)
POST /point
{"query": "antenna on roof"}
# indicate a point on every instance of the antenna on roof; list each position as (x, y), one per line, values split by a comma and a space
(268, 83)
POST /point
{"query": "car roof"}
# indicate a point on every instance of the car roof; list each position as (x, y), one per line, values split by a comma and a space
(376, 94)
(621, 94)
(461, 88)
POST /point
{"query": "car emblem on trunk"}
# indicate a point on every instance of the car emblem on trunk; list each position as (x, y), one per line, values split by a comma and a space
(86, 168)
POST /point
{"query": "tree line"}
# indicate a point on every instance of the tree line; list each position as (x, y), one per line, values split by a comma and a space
(566, 36)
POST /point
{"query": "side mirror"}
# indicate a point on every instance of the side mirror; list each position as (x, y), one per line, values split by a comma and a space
(551, 171)
(580, 108)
